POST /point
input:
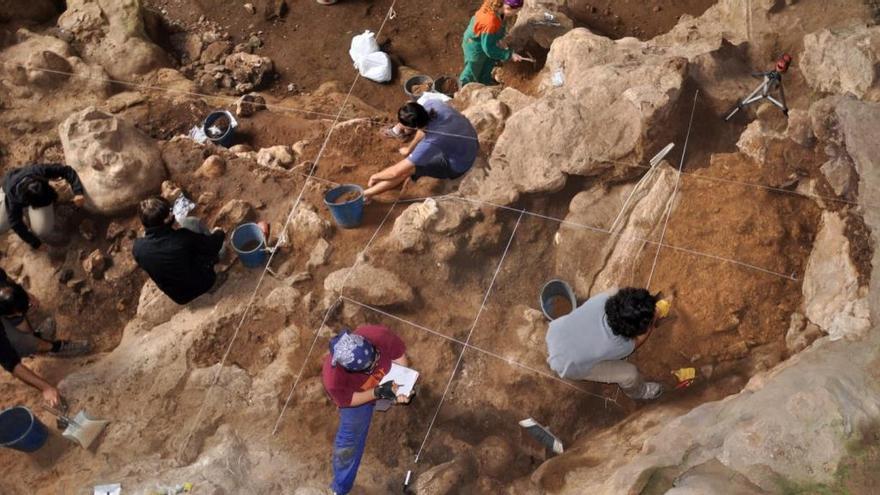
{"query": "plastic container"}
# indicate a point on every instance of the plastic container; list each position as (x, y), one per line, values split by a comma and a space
(249, 243)
(21, 430)
(415, 81)
(227, 135)
(448, 85)
(557, 299)
(347, 214)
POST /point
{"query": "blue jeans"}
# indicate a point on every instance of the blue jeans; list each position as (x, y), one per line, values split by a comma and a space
(348, 448)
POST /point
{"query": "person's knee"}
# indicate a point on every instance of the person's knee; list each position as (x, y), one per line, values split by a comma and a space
(630, 378)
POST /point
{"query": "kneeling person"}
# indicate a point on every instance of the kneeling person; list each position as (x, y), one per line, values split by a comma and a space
(351, 373)
(180, 261)
(591, 342)
(445, 146)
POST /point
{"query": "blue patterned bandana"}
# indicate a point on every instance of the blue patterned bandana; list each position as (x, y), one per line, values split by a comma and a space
(351, 351)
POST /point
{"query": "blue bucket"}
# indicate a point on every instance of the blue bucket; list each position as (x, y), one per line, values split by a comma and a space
(349, 214)
(250, 244)
(550, 294)
(21, 430)
(227, 135)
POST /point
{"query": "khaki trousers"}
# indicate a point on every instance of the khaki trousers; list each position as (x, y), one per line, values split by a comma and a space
(623, 373)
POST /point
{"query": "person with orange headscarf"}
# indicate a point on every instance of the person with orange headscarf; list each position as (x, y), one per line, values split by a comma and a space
(482, 41)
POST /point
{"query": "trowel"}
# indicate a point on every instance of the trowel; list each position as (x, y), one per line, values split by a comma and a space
(82, 428)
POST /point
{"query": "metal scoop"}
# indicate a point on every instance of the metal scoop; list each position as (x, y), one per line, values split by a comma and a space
(82, 428)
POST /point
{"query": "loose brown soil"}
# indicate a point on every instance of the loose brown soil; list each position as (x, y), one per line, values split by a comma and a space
(559, 306)
(419, 89)
(348, 197)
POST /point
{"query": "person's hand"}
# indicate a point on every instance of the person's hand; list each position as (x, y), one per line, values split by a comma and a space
(52, 396)
(33, 302)
(373, 180)
(403, 399)
(387, 390)
(79, 200)
(516, 57)
(404, 150)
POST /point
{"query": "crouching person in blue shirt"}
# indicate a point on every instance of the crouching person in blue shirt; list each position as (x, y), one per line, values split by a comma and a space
(445, 146)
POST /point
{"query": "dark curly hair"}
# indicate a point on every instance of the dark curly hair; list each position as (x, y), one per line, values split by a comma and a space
(630, 312)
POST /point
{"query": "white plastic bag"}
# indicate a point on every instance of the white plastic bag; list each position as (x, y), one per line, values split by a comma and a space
(363, 45)
(375, 66)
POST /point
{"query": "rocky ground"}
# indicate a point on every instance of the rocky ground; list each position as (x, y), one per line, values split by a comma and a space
(768, 251)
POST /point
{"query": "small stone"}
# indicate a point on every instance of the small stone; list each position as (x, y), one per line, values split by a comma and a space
(212, 168)
(249, 104)
(96, 264)
(87, 230)
(281, 157)
(250, 8)
(320, 254)
(234, 213)
(170, 191)
(114, 230)
(240, 148)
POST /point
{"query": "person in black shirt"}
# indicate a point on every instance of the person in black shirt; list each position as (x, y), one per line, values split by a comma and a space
(180, 261)
(28, 188)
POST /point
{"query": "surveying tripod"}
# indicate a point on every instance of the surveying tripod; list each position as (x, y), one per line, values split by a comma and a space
(772, 81)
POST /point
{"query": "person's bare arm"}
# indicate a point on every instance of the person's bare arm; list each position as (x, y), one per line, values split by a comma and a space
(361, 398)
(399, 169)
(402, 360)
(406, 150)
(50, 393)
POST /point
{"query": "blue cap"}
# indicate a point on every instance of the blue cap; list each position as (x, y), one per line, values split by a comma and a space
(351, 351)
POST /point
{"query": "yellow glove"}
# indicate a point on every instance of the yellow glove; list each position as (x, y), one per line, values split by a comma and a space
(662, 307)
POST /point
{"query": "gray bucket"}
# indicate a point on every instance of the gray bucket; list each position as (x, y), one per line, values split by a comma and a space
(414, 81)
(557, 299)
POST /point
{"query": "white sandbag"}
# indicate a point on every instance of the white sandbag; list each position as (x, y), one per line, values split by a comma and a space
(375, 66)
(363, 45)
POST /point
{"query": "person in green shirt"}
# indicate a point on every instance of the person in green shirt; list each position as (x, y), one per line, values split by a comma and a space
(481, 41)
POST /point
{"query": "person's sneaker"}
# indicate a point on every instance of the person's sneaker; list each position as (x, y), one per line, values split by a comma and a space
(46, 329)
(653, 390)
(71, 348)
(542, 435)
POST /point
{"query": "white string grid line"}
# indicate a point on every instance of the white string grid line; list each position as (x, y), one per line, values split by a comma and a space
(286, 108)
(470, 333)
(671, 204)
(265, 270)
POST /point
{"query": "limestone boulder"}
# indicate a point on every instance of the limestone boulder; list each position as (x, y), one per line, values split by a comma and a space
(488, 119)
(154, 307)
(409, 231)
(843, 61)
(369, 285)
(113, 34)
(840, 174)
(118, 164)
(47, 69)
(612, 95)
(833, 299)
(608, 208)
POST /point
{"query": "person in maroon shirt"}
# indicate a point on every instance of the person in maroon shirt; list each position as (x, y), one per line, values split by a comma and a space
(351, 374)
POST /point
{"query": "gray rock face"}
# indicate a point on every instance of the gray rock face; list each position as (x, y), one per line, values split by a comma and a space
(833, 299)
(118, 164)
(369, 285)
(446, 478)
(843, 61)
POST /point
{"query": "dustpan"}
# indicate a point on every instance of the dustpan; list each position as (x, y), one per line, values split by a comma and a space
(82, 428)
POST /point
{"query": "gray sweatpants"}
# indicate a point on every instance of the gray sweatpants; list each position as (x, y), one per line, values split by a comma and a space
(41, 220)
(25, 343)
(623, 373)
